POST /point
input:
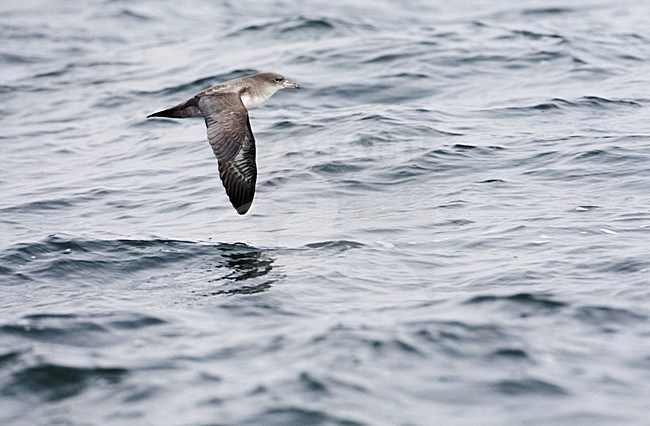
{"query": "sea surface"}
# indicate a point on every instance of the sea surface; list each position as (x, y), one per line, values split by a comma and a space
(451, 225)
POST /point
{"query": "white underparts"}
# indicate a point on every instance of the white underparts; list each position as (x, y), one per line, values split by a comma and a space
(252, 99)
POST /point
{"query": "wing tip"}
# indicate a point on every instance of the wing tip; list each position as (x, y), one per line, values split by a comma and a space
(244, 208)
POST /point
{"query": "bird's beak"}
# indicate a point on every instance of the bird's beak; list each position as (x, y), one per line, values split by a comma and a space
(289, 85)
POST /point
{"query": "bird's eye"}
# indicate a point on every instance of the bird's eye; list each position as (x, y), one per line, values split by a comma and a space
(279, 79)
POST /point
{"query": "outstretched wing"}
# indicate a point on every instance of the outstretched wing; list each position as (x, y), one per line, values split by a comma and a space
(233, 143)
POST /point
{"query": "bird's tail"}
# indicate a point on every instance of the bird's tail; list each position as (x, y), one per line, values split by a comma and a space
(183, 110)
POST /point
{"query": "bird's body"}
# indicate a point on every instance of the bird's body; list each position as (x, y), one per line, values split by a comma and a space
(225, 110)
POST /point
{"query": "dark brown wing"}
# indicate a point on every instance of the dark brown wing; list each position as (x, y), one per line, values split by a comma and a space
(232, 140)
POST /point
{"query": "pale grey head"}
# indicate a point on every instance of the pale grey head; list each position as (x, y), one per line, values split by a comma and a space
(260, 87)
(276, 79)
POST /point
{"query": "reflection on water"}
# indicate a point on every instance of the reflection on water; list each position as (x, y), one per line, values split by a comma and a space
(249, 267)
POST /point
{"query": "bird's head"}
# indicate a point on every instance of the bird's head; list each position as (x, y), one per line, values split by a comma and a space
(279, 81)
(261, 87)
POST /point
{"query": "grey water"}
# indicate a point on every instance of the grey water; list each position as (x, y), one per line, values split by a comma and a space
(451, 225)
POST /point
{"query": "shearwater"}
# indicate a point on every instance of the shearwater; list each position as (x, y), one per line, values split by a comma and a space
(225, 110)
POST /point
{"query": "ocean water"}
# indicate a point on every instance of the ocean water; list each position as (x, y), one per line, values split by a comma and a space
(451, 226)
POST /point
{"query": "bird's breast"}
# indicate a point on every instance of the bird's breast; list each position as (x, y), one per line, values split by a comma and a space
(251, 100)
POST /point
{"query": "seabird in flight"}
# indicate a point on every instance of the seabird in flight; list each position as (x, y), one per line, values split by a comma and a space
(225, 110)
